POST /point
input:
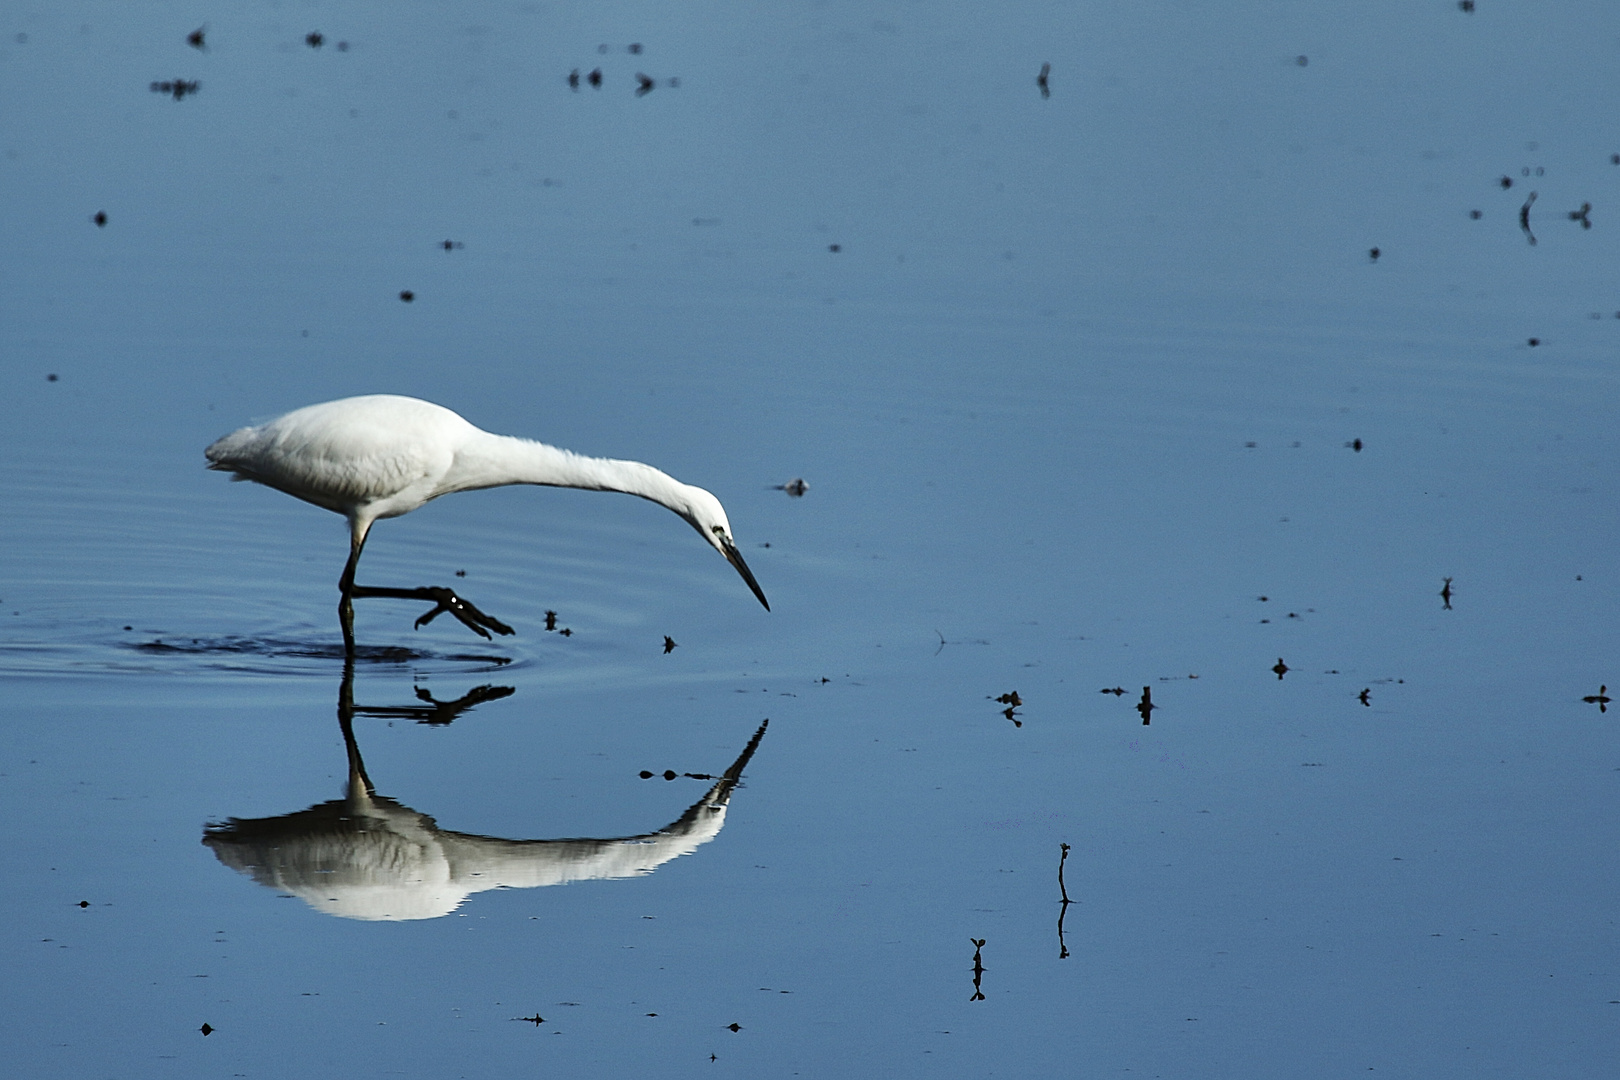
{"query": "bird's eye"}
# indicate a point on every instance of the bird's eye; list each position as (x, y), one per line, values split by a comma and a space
(718, 531)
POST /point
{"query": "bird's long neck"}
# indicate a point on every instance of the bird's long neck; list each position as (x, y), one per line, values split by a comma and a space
(494, 460)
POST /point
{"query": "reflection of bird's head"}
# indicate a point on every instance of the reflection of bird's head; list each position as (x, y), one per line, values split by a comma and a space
(708, 517)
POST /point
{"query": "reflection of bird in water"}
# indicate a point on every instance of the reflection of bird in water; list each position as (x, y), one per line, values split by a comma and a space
(382, 456)
(368, 857)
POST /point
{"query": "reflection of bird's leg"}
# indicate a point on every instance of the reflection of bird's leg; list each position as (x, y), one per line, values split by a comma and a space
(444, 600)
(360, 785)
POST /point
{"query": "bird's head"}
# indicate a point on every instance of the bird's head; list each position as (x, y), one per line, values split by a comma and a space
(708, 517)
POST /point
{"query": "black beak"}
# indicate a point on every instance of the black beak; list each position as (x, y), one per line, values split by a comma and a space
(735, 559)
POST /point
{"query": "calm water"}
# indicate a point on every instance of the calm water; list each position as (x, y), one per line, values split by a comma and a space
(1094, 391)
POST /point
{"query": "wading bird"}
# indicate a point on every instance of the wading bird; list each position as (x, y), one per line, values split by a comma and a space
(381, 456)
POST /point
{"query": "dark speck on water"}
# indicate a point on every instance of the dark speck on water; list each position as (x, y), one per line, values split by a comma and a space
(407, 295)
(100, 219)
(314, 39)
(177, 88)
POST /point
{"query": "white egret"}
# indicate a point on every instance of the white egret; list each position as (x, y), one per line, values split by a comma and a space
(381, 456)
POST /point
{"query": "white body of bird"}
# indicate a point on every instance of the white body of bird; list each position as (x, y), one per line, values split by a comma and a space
(382, 455)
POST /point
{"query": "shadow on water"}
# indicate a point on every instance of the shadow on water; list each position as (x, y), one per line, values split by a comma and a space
(281, 648)
(366, 856)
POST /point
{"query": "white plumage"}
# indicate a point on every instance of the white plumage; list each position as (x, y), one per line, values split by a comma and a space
(381, 456)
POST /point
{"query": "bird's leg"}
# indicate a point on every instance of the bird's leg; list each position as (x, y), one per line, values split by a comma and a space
(443, 599)
(346, 589)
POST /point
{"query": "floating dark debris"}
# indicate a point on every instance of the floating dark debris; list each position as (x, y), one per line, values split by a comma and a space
(1365, 697)
(1465, 5)
(1373, 253)
(1146, 706)
(1280, 668)
(1354, 444)
(207, 1030)
(1524, 219)
(1041, 81)
(1506, 182)
(644, 85)
(1533, 342)
(314, 39)
(1581, 215)
(536, 1019)
(177, 88)
(453, 245)
(978, 968)
(1601, 699)
(100, 219)
(1476, 214)
(1302, 61)
(1064, 902)
(551, 620)
(573, 80)
(1445, 594)
(669, 644)
(733, 1027)
(835, 248)
(406, 295)
(795, 487)
(1010, 698)
(595, 78)
(198, 38)
(1117, 691)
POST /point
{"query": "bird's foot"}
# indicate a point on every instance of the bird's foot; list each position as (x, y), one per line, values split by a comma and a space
(473, 619)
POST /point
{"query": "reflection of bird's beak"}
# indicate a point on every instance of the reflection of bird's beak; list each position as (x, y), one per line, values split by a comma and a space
(735, 559)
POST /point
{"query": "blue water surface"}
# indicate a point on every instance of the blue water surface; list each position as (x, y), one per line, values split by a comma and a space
(1204, 372)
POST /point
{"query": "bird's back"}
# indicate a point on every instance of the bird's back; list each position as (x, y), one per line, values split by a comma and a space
(378, 456)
